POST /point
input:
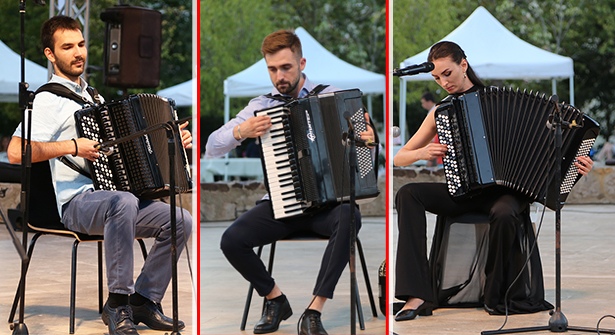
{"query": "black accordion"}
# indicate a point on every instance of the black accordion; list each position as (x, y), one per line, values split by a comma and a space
(303, 153)
(498, 136)
(141, 165)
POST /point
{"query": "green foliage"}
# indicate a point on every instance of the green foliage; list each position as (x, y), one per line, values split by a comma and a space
(581, 29)
(232, 33)
(231, 36)
(353, 30)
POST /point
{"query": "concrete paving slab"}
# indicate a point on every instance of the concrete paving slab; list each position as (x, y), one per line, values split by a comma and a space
(48, 287)
(588, 278)
(223, 290)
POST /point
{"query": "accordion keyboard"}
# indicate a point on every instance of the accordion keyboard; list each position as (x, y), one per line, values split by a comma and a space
(281, 166)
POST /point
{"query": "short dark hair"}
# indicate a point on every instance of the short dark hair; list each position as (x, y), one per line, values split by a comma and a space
(60, 22)
(428, 96)
(450, 49)
(282, 39)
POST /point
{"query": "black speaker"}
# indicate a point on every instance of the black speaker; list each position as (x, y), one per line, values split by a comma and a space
(132, 47)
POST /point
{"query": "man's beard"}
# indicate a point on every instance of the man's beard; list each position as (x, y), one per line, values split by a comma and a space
(67, 68)
(290, 88)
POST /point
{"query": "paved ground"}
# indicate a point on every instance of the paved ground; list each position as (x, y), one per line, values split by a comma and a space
(223, 290)
(588, 278)
(48, 287)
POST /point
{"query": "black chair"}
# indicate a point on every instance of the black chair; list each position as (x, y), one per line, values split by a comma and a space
(457, 259)
(311, 236)
(45, 220)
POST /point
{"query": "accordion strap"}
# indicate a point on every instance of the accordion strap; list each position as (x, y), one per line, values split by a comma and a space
(283, 98)
(65, 92)
(68, 162)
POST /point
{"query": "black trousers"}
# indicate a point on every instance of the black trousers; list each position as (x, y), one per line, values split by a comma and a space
(413, 278)
(258, 227)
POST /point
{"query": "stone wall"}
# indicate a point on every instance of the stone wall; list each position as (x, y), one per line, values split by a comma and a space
(598, 187)
(9, 196)
(223, 201)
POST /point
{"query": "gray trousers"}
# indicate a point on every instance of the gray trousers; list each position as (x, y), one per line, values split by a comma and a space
(121, 217)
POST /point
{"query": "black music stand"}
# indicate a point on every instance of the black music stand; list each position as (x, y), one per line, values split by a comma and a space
(558, 322)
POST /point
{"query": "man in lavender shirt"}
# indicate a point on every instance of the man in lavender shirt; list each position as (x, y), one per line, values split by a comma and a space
(285, 63)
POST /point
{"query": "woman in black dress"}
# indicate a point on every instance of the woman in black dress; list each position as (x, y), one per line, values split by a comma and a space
(505, 208)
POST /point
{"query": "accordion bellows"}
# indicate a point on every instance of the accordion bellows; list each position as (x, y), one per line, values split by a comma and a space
(141, 165)
(499, 136)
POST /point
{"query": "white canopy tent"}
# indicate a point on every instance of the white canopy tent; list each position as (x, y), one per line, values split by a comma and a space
(322, 67)
(10, 74)
(494, 53)
(181, 93)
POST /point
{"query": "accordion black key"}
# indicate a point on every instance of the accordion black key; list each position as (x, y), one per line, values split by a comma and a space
(499, 136)
(303, 154)
(141, 165)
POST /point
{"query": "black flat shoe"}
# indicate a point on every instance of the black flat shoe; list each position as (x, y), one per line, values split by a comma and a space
(274, 313)
(119, 320)
(151, 315)
(424, 309)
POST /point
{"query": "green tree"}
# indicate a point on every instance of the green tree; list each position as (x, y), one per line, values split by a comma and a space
(231, 36)
(232, 33)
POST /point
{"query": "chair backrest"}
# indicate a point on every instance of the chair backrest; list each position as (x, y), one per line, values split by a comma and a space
(43, 209)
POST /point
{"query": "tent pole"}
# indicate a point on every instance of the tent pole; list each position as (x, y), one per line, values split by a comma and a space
(384, 112)
(554, 86)
(571, 90)
(226, 119)
(402, 110)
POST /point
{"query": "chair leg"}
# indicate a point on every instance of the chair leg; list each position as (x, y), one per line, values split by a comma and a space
(270, 269)
(73, 287)
(143, 249)
(246, 308)
(359, 308)
(370, 294)
(100, 278)
(17, 299)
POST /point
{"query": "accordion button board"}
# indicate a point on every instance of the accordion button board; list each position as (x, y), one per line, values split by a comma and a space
(140, 165)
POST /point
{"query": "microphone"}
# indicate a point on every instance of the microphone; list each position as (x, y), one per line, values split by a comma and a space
(414, 69)
(395, 131)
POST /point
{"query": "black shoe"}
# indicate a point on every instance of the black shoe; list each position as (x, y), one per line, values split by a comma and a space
(150, 313)
(424, 309)
(119, 320)
(311, 325)
(274, 313)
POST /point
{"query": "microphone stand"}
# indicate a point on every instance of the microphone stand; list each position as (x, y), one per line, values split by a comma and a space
(171, 129)
(352, 165)
(351, 141)
(25, 104)
(558, 322)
